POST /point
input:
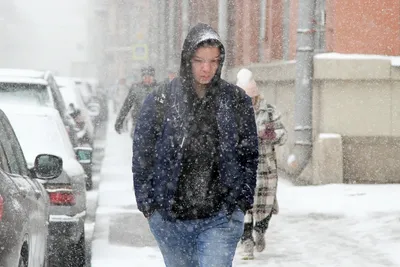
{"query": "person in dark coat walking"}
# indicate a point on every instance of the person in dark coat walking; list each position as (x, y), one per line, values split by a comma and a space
(133, 101)
(195, 153)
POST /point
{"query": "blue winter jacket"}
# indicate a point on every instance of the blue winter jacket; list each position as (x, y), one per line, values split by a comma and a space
(157, 144)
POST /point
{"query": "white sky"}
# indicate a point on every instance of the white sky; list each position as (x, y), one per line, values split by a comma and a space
(47, 34)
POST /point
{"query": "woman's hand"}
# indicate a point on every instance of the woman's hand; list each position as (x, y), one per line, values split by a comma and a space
(267, 132)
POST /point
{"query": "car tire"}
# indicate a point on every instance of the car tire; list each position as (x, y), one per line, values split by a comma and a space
(78, 253)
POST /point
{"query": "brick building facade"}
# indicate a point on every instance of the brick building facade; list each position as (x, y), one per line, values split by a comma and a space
(259, 31)
(359, 27)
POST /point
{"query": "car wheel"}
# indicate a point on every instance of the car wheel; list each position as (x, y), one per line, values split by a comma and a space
(78, 253)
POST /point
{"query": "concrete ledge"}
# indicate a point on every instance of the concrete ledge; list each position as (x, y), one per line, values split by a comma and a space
(328, 159)
(268, 72)
(371, 159)
(328, 66)
(326, 164)
(352, 68)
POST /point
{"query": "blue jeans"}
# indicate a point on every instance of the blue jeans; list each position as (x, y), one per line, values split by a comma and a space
(198, 243)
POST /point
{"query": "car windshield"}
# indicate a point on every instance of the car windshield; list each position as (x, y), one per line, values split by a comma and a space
(68, 94)
(43, 136)
(71, 96)
(35, 94)
(84, 90)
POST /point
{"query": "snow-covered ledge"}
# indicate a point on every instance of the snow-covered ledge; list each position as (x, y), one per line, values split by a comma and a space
(268, 72)
(328, 159)
(352, 66)
(329, 66)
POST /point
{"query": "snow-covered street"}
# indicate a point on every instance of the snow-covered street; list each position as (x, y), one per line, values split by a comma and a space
(331, 225)
(214, 88)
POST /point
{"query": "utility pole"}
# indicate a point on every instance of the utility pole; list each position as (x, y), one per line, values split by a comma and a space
(261, 35)
(304, 88)
(162, 44)
(286, 28)
(223, 20)
(185, 18)
(153, 32)
(171, 33)
(223, 27)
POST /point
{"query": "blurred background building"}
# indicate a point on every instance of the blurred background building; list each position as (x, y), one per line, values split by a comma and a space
(133, 33)
(353, 71)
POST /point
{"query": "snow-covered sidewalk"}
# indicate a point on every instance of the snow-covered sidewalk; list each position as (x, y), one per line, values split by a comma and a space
(332, 225)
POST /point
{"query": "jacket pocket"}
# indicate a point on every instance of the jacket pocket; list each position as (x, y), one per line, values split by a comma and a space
(237, 215)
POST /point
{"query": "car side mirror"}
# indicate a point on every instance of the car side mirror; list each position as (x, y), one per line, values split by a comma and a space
(93, 109)
(84, 154)
(47, 166)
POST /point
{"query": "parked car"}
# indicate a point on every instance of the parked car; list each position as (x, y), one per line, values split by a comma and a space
(85, 89)
(100, 98)
(35, 87)
(67, 192)
(24, 203)
(88, 90)
(77, 108)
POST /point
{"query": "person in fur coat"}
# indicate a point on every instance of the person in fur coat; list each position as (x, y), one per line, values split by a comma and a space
(271, 132)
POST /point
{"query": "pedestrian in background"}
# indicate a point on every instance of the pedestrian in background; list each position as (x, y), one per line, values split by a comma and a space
(121, 91)
(134, 99)
(172, 73)
(271, 132)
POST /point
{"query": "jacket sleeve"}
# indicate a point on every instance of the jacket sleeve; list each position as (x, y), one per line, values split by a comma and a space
(143, 150)
(279, 128)
(248, 153)
(126, 107)
(281, 133)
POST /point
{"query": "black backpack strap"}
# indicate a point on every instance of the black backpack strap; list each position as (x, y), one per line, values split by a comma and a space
(160, 95)
(237, 97)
